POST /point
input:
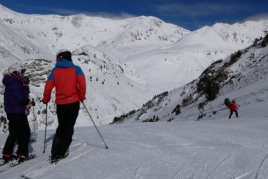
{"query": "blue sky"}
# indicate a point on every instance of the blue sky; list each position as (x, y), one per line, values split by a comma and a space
(189, 14)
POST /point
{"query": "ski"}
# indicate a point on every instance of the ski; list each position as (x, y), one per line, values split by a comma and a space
(55, 161)
(15, 162)
(46, 165)
(23, 176)
(3, 162)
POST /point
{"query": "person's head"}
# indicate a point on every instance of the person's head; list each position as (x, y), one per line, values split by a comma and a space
(17, 70)
(233, 100)
(64, 54)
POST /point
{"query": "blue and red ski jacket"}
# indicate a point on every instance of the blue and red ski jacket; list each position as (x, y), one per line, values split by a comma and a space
(69, 81)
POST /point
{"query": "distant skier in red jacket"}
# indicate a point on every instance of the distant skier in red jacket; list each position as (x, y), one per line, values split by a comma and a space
(233, 108)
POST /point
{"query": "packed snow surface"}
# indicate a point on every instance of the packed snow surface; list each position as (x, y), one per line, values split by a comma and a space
(215, 149)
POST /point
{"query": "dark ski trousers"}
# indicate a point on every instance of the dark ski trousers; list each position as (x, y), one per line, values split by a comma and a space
(19, 131)
(236, 113)
(67, 115)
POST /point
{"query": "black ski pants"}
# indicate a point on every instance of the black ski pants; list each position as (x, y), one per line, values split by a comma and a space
(67, 115)
(236, 113)
(19, 131)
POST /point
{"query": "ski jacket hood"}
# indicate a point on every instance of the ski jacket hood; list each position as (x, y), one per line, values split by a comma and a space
(15, 94)
(64, 63)
(9, 79)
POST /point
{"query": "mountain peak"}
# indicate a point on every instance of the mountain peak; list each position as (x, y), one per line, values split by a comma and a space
(141, 56)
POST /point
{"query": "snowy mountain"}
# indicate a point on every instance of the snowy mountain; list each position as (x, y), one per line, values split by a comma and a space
(108, 84)
(187, 75)
(242, 76)
(126, 62)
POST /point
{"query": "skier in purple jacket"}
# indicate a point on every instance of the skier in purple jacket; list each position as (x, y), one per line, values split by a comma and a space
(15, 100)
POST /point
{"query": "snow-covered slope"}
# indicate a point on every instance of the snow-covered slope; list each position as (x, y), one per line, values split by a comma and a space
(212, 149)
(242, 76)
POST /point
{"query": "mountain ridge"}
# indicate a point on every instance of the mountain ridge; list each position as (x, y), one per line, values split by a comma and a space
(125, 67)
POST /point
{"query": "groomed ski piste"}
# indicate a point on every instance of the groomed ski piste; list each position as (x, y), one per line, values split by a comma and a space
(212, 148)
(221, 148)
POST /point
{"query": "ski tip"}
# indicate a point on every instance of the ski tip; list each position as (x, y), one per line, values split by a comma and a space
(23, 176)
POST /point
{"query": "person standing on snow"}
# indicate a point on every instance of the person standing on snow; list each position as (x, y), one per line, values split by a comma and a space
(15, 100)
(70, 84)
(233, 108)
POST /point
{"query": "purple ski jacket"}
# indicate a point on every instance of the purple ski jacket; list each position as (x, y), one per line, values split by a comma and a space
(15, 95)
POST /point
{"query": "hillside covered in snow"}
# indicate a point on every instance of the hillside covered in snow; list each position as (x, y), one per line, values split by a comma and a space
(126, 62)
(242, 76)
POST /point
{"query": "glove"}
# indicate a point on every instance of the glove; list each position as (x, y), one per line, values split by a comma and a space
(25, 80)
(27, 101)
(44, 101)
(82, 100)
(33, 103)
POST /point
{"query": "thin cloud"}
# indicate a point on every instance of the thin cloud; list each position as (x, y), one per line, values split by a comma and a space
(61, 11)
(67, 12)
(201, 9)
(258, 17)
(115, 16)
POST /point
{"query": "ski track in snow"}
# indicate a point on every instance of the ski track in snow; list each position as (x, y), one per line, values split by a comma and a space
(115, 176)
(188, 161)
(78, 156)
(220, 162)
(259, 167)
(137, 168)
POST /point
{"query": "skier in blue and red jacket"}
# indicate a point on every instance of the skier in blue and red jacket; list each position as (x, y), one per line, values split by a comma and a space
(70, 84)
(15, 100)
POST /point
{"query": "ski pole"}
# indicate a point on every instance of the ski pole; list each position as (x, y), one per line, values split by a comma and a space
(33, 117)
(94, 125)
(45, 144)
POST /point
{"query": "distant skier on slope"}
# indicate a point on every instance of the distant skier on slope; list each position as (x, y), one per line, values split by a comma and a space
(70, 84)
(233, 108)
(15, 100)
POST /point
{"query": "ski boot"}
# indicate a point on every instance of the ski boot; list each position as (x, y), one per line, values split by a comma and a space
(5, 159)
(21, 159)
(54, 159)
